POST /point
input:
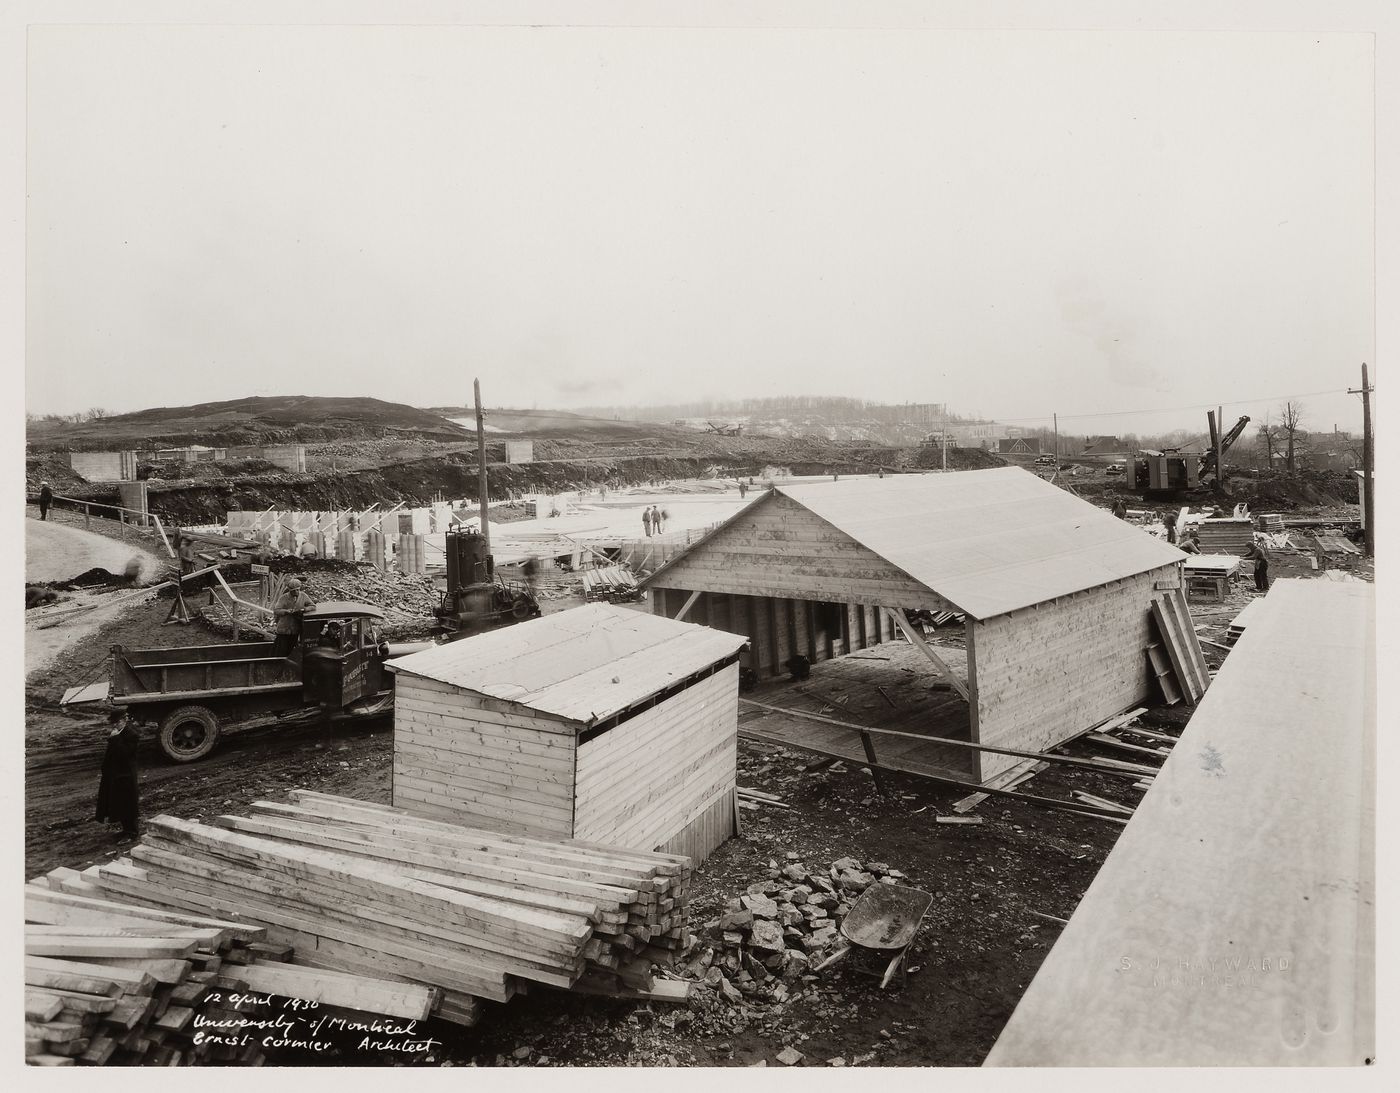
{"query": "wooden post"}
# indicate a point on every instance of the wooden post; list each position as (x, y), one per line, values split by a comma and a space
(1368, 455)
(685, 607)
(916, 639)
(481, 464)
(869, 745)
(87, 517)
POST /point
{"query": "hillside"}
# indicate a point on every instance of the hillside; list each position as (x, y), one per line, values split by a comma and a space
(257, 420)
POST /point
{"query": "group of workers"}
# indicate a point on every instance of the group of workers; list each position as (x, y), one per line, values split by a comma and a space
(1191, 542)
(654, 519)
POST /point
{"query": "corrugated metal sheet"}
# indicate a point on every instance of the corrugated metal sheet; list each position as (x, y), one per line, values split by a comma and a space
(583, 664)
(990, 541)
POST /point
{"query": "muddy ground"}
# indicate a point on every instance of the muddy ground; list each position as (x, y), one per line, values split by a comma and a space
(982, 943)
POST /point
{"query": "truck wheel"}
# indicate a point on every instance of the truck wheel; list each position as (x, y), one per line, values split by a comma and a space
(189, 733)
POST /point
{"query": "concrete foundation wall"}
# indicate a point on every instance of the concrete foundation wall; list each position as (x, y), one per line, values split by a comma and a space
(520, 451)
(104, 466)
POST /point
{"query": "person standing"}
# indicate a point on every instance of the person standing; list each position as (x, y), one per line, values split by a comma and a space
(646, 521)
(662, 516)
(188, 557)
(45, 500)
(118, 793)
(1256, 554)
(1120, 509)
(743, 489)
(286, 613)
(1170, 527)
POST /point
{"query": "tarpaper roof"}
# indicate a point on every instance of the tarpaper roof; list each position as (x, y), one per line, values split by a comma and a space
(584, 664)
(988, 541)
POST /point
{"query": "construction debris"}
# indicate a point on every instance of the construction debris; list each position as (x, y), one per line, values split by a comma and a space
(762, 946)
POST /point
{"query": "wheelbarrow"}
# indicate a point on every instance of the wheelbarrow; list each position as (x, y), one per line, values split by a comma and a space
(883, 923)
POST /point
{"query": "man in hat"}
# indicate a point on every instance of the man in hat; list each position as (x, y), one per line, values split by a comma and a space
(286, 613)
(118, 793)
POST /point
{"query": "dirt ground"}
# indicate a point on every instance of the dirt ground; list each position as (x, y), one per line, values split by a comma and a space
(985, 937)
(982, 942)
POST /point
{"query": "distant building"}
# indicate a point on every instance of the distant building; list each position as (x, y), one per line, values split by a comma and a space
(1104, 445)
(1019, 445)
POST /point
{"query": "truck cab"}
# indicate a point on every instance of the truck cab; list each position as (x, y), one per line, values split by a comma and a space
(342, 658)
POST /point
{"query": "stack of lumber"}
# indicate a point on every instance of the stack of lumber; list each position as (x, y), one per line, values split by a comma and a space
(373, 890)
(107, 983)
(1228, 535)
(1272, 522)
(609, 583)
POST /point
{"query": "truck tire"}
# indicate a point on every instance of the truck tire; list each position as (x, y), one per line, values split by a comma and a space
(189, 733)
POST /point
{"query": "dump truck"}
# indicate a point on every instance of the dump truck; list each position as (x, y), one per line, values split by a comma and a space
(192, 695)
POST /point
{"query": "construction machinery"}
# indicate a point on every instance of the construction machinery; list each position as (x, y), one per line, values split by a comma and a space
(1173, 472)
(195, 694)
(477, 598)
(734, 429)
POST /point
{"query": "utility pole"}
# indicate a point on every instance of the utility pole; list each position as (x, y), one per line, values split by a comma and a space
(1056, 418)
(481, 465)
(1368, 456)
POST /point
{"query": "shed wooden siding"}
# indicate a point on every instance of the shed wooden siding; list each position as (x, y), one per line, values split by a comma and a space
(777, 627)
(779, 548)
(1043, 674)
(456, 760)
(646, 781)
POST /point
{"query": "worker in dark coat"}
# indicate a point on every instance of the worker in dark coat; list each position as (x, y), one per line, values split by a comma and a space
(1170, 525)
(45, 500)
(118, 794)
(189, 557)
(1120, 509)
(1256, 554)
(286, 613)
(1190, 544)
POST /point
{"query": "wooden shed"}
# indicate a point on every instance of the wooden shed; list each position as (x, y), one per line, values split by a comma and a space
(1056, 594)
(600, 723)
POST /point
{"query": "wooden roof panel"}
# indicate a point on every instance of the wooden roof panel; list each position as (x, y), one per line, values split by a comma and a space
(583, 664)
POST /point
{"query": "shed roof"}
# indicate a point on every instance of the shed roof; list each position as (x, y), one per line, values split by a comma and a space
(585, 664)
(988, 541)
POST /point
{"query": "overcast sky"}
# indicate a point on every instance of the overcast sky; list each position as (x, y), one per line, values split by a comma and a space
(1014, 223)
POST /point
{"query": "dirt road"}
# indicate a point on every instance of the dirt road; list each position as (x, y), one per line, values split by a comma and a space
(56, 552)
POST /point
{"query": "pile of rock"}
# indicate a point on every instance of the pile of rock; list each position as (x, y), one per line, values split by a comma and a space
(762, 947)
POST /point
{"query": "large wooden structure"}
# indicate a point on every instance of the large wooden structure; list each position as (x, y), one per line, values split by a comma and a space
(600, 723)
(1234, 922)
(1056, 593)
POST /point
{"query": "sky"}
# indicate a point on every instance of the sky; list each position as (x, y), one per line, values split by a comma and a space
(1014, 223)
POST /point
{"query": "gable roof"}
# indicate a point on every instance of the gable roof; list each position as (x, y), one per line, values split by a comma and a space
(584, 664)
(989, 541)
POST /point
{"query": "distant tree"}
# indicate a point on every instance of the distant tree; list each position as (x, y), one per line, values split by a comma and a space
(97, 413)
(1270, 437)
(1291, 427)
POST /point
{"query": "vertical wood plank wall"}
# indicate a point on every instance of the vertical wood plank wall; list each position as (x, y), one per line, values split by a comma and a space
(1045, 673)
(778, 627)
(455, 760)
(645, 782)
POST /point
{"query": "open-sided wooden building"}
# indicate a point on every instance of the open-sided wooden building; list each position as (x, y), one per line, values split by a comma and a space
(600, 723)
(1056, 593)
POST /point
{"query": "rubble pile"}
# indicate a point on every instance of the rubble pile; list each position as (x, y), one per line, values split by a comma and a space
(762, 947)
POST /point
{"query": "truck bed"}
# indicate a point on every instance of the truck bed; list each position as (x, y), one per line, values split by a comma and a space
(202, 671)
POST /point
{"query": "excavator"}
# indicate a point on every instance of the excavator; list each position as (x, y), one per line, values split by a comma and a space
(1171, 472)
